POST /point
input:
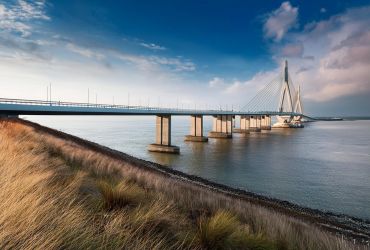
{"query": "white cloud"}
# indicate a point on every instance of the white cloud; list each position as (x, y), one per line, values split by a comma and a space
(140, 62)
(174, 63)
(71, 78)
(330, 58)
(84, 51)
(280, 21)
(323, 10)
(292, 50)
(33, 10)
(152, 63)
(29, 60)
(152, 46)
(15, 18)
(241, 92)
(341, 45)
(216, 82)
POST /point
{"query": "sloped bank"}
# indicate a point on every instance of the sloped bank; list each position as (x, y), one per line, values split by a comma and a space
(214, 194)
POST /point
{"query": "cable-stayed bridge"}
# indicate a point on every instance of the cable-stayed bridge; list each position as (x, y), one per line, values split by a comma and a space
(278, 98)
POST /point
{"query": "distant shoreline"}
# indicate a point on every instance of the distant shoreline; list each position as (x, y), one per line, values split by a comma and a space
(343, 118)
(351, 227)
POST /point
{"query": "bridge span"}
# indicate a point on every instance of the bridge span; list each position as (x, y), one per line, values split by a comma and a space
(278, 98)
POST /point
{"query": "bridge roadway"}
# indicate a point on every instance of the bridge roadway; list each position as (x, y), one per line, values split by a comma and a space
(37, 107)
(223, 120)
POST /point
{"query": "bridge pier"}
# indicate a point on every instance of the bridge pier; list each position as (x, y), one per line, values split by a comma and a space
(266, 122)
(196, 129)
(255, 123)
(244, 125)
(222, 127)
(163, 136)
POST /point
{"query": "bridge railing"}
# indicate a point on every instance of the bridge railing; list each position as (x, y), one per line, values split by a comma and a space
(85, 105)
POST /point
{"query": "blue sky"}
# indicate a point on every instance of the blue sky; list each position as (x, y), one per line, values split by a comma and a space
(204, 53)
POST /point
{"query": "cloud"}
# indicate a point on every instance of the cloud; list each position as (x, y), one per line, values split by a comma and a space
(19, 39)
(30, 57)
(71, 78)
(330, 58)
(152, 46)
(242, 91)
(323, 10)
(280, 21)
(84, 51)
(23, 48)
(33, 10)
(153, 63)
(309, 58)
(342, 50)
(174, 63)
(16, 17)
(216, 82)
(301, 70)
(292, 50)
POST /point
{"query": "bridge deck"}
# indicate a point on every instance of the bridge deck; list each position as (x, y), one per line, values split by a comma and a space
(37, 107)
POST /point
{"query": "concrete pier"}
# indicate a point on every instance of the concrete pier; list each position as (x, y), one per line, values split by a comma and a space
(255, 123)
(244, 125)
(222, 127)
(266, 122)
(163, 136)
(196, 129)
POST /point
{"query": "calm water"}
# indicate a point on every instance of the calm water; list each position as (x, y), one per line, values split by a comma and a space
(326, 165)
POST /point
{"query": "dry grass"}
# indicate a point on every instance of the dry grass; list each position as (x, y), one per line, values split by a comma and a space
(116, 196)
(57, 194)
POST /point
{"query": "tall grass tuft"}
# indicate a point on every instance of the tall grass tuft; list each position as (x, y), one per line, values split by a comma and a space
(117, 196)
(224, 231)
(215, 232)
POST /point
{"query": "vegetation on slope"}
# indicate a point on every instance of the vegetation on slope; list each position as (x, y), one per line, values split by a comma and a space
(58, 194)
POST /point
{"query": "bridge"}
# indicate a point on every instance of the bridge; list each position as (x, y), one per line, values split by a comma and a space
(278, 98)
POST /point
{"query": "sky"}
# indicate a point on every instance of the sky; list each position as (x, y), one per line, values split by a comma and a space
(203, 54)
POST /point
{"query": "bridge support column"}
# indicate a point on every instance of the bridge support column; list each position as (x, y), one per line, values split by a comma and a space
(163, 136)
(244, 125)
(255, 123)
(266, 122)
(196, 129)
(222, 127)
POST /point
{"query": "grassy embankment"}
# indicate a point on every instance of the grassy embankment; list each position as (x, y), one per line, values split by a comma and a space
(58, 194)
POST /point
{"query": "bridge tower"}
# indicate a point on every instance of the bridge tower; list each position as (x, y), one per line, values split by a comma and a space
(286, 101)
(298, 106)
(285, 94)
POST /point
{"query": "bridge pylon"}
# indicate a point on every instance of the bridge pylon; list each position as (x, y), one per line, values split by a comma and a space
(290, 102)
